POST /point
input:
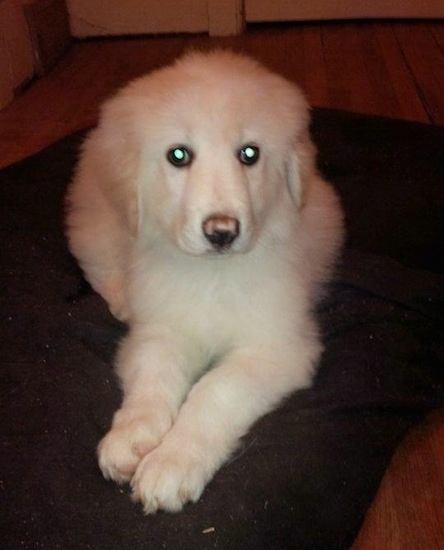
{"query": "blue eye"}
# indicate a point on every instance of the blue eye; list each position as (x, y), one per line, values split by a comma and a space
(180, 156)
(249, 154)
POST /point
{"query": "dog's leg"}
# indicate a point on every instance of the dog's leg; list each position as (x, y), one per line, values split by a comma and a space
(219, 410)
(100, 241)
(156, 373)
(111, 287)
(100, 252)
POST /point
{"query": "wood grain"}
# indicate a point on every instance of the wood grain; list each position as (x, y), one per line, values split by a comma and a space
(391, 69)
(364, 67)
(424, 57)
(408, 511)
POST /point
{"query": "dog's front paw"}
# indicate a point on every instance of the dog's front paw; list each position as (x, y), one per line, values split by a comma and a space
(168, 479)
(132, 436)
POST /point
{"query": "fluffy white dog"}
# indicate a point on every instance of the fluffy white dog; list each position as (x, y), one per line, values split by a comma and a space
(198, 215)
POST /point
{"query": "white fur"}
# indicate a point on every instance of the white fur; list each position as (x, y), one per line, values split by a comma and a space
(216, 339)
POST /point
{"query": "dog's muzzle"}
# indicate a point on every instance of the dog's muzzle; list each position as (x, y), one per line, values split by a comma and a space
(221, 231)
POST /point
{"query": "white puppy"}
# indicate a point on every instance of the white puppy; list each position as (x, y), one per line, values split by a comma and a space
(198, 214)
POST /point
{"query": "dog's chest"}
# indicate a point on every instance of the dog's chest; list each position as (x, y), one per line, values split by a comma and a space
(210, 301)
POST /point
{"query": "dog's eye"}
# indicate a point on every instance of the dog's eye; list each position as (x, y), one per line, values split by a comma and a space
(249, 154)
(180, 156)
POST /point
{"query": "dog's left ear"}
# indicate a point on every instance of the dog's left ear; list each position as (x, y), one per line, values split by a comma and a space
(301, 168)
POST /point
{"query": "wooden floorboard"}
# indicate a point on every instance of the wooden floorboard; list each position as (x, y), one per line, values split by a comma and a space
(393, 69)
(437, 30)
(425, 61)
(404, 96)
(363, 67)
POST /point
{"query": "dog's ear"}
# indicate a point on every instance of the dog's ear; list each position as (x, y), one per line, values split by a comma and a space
(127, 192)
(133, 211)
(118, 170)
(301, 167)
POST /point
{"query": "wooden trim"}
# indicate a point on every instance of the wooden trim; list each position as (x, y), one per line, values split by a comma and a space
(225, 17)
(127, 17)
(306, 10)
(48, 26)
(16, 53)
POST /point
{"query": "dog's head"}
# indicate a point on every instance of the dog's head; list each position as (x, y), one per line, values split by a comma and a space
(204, 152)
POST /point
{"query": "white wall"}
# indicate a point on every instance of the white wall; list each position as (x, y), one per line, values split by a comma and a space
(120, 17)
(300, 10)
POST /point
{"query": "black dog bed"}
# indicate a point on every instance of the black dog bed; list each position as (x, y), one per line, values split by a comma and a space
(307, 473)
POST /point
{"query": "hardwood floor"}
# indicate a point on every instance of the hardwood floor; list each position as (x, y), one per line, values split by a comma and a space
(393, 69)
(390, 69)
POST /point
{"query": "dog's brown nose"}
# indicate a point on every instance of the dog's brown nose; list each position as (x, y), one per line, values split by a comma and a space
(221, 230)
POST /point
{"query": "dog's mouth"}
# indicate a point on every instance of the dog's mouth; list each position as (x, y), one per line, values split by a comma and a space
(228, 251)
(217, 236)
(221, 232)
(220, 249)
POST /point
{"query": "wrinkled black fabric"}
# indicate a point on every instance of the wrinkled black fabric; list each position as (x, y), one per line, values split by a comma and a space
(306, 474)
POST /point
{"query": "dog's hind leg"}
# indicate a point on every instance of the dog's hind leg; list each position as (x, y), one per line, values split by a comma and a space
(100, 242)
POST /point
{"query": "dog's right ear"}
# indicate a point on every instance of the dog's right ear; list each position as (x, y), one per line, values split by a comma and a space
(119, 162)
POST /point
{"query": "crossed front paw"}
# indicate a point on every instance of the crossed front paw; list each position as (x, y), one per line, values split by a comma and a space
(133, 435)
(166, 479)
